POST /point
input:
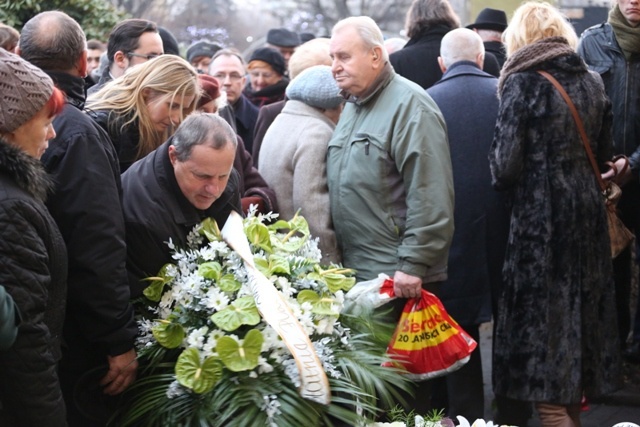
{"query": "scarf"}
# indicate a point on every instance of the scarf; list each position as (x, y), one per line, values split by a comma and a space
(628, 37)
(532, 55)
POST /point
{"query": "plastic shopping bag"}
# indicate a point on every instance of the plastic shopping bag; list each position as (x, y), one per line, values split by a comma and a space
(369, 294)
(427, 342)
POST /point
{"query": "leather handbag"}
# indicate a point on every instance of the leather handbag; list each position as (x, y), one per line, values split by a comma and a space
(620, 236)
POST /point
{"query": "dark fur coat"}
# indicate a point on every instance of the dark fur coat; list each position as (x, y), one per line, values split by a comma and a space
(556, 329)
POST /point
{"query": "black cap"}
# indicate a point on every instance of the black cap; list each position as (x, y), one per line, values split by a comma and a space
(202, 48)
(490, 19)
(305, 37)
(283, 38)
(271, 57)
(169, 42)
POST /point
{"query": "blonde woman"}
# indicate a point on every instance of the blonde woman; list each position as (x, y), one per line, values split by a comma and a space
(555, 333)
(141, 109)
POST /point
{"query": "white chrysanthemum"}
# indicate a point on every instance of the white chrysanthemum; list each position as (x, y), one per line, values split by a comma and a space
(215, 299)
(196, 337)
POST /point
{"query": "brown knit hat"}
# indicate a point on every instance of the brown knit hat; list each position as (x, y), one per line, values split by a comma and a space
(24, 90)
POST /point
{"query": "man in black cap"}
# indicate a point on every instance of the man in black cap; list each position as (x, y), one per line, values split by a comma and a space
(490, 24)
(267, 80)
(284, 41)
(200, 53)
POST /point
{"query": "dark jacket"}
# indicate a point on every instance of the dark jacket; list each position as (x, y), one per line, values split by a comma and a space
(497, 50)
(33, 270)
(246, 115)
(268, 95)
(418, 59)
(555, 332)
(9, 320)
(105, 78)
(155, 211)
(252, 184)
(86, 205)
(600, 50)
(266, 116)
(468, 100)
(125, 139)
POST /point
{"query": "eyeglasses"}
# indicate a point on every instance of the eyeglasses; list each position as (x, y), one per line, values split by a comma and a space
(234, 77)
(256, 74)
(147, 57)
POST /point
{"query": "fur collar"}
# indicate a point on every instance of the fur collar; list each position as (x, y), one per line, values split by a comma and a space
(27, 172)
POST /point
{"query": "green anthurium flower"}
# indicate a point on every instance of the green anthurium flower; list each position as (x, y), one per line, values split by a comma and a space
(336, 282)
(258, 235)
(229, 283)
(154, 290)
(196, 375)
(321, 304)
(210, 270)
(262, 265)
(242, 311)
(238, 357)
(278, 264)
(168, 334)
(211, 230)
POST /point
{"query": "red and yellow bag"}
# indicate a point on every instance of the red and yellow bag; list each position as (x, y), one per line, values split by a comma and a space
(427, 342)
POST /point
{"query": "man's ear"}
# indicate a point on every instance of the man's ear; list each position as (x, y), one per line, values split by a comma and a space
(480, 60)
(172, 155)
(81, 65)
(441, 64)
(377, 55)
(120, 60)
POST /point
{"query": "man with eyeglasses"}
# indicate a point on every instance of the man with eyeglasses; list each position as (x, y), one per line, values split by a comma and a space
(228, 67)
(131, 42)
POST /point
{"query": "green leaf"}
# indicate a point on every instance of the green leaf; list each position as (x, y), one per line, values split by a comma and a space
(321, 304)
(278, 264)
(228, 283)
(211, 230)
(210, 270)
(154, 291)
(258, 235)
(168, 334)
(336, 282)
(198, 376)
(238, 357)
(242, 311)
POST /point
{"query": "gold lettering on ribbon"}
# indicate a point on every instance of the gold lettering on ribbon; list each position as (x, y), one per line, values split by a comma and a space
(277, 313)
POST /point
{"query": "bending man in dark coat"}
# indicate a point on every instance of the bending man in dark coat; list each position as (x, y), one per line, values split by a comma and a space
(187, 179)
(467, 97)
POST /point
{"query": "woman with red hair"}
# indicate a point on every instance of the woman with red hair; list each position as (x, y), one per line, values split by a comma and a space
(33, 259)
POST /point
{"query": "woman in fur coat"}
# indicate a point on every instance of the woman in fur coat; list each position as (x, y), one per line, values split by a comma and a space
(33, 258)
(555, 336)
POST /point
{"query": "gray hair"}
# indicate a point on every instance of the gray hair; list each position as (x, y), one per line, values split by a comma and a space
(460, 44)
(426, 14)
(201, 129)
(367, 29)
(53, 41)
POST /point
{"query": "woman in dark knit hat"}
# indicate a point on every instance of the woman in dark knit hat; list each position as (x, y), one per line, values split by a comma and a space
(267, 81)
(33, 259)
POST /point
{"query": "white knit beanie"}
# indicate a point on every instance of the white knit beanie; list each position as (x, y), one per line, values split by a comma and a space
(316, 87)
(24, 90)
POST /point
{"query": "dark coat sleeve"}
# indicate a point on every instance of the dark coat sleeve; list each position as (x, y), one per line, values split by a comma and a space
(87, 208)
(29, 386)
(9, 320)
(266, 116)
(251, 182)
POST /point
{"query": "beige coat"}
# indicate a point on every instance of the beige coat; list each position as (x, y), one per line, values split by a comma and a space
(293, 162)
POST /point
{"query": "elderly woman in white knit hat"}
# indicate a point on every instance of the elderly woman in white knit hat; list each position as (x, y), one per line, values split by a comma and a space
(33, 261)
(293, 152)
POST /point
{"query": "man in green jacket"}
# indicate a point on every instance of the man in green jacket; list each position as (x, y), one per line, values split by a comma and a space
(388, 167)
(389, 172)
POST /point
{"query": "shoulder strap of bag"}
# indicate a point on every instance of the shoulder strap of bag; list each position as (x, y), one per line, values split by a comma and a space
(578, 120)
